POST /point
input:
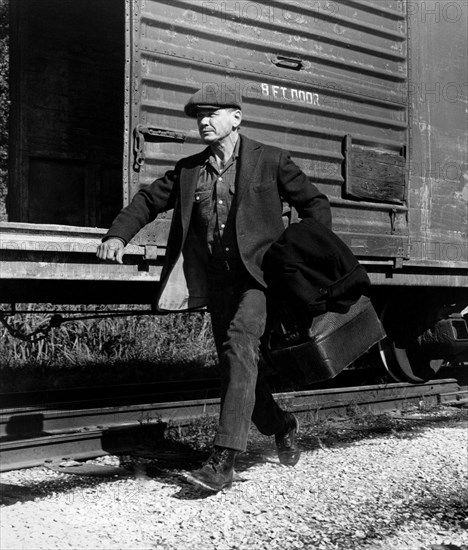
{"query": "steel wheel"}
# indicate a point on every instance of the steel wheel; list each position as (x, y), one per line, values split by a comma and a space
(403, 365)
(399, 354)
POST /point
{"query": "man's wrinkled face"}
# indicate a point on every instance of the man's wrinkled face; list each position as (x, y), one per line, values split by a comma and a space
(215, 125)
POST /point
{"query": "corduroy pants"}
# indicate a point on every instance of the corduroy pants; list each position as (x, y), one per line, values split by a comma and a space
(237, 304)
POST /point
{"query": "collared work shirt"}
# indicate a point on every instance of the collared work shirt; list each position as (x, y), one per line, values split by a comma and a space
(214, 210)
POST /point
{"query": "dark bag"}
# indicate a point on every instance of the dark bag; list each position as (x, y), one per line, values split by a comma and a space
(320, 320)
(311, 350)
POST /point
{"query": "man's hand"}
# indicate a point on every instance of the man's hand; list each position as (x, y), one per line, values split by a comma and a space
(112, 249)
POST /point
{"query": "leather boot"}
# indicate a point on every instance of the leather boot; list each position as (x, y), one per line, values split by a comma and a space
(286, 444)
(217, 472)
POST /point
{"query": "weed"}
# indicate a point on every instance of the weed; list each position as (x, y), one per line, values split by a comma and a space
(101, 351)
(198, 433)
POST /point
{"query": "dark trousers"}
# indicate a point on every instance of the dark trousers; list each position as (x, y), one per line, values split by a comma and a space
(237, 304)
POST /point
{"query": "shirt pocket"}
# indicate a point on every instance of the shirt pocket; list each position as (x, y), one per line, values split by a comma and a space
(201, 196)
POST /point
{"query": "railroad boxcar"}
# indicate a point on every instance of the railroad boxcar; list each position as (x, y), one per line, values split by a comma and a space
(370, 97)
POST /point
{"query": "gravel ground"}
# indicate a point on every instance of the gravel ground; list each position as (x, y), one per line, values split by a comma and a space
(384, 482)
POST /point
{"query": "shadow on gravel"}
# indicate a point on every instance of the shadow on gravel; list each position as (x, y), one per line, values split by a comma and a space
(167, 460)
(447, 508)
(447, 511)
(50, 488)
(349, 431)
(164, 460)
(170, 460)
(11, 494)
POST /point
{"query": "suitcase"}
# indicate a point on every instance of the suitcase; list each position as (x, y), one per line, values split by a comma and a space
(308, 350)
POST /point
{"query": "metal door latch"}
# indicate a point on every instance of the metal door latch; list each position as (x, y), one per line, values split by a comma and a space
(288, 62)
(142, 132)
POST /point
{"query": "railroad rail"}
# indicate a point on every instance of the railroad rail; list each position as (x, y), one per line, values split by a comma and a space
(171, 390)
(30, 435)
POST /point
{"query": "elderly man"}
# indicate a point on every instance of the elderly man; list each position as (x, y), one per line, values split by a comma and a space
(227, 203)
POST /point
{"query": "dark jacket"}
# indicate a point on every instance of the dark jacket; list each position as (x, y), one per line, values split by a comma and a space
(265, 175)
(316, 267)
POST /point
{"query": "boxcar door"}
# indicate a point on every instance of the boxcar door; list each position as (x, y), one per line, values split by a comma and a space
(325, 80)
(67, 92)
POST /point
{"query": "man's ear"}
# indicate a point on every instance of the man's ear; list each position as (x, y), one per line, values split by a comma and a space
(237, 118)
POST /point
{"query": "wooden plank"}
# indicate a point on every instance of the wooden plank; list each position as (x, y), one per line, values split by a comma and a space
(82, 271)
(378, 246)
(375, 175)
(62, 246)
(19, 236)
(43, 229)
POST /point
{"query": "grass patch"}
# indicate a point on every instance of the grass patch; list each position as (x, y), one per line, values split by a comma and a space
(198, 434)
(116, 350)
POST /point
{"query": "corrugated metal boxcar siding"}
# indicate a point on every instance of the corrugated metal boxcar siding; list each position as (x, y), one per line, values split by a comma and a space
(352, 57)
(439, 162)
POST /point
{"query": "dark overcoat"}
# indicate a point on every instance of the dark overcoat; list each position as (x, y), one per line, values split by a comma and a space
(266, 175)
(313, 265)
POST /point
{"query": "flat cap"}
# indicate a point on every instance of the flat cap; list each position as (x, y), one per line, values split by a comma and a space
(216, 96)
